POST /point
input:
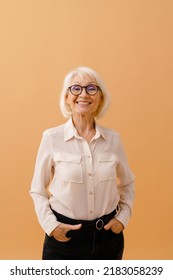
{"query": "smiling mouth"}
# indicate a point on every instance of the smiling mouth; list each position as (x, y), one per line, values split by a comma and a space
(83, 102)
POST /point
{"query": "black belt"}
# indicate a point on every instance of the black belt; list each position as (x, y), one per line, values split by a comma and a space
(95, 224)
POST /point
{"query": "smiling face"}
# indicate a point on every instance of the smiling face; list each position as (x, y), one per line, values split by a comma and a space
(84, 104)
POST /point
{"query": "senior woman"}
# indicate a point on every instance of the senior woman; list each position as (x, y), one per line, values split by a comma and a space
(82, 188)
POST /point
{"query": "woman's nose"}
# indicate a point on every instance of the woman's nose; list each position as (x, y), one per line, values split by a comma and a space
(84, 92)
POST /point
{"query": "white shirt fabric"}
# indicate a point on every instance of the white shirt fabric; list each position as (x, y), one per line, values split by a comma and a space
(89, 180)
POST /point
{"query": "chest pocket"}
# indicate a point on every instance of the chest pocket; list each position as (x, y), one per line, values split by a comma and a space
(107, 166)
(68, 167)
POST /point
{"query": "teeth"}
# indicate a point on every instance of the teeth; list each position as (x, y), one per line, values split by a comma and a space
(83, 102)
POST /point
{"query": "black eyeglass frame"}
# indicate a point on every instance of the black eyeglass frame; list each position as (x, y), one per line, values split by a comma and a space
(86, 89)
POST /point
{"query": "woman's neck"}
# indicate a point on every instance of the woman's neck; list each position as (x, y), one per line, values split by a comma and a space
(85, 126)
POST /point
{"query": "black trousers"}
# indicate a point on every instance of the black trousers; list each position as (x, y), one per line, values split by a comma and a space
(91, 242)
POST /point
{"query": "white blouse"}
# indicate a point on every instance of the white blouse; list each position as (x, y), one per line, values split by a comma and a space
(88, 181)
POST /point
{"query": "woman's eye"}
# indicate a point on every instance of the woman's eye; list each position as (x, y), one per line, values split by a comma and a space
(91, 88)
(76, 88)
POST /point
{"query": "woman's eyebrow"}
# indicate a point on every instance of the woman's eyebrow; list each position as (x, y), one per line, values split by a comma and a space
(79, 83)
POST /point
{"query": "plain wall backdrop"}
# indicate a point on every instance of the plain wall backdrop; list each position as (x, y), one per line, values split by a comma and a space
(130, 44)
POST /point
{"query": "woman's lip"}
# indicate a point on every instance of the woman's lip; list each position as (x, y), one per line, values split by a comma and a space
(83, 102)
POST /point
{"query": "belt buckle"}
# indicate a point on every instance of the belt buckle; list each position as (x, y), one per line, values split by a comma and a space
(99, 224)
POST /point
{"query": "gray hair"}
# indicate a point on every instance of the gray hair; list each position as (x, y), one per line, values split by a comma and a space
(82, 72)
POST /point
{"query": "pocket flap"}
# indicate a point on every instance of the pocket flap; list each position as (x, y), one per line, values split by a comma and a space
(107, 157)
(66, 157)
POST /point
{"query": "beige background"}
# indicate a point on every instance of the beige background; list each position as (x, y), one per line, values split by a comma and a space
(130, 43)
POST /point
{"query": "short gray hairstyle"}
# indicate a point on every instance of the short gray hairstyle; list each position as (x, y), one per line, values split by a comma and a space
(82, 72)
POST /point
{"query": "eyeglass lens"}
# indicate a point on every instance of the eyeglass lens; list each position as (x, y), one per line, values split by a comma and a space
(90, 89)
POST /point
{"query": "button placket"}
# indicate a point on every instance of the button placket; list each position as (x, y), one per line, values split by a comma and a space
(90, 185)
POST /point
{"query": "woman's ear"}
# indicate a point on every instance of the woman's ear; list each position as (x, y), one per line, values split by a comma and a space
(101, 99)
(66, 98)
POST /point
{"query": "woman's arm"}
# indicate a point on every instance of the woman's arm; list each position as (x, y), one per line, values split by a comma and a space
(40, 181)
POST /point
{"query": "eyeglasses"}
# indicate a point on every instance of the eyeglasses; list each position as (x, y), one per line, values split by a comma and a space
(90, 89)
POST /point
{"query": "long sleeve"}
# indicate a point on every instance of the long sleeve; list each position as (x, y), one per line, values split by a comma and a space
(125, 187)
(41, 179)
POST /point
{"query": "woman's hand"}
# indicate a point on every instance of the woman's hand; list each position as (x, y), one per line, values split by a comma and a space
(115, 225)
(59, 233)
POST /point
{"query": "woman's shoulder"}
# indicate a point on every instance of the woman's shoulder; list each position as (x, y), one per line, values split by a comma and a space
(54, 130)
(109, 131)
